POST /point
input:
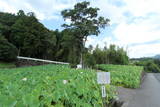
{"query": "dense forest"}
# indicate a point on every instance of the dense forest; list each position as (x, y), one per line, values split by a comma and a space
(22, 34)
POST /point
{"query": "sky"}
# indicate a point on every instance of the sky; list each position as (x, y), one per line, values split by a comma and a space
(134, 24)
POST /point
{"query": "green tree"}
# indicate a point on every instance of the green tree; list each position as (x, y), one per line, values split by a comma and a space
(97, 53)
(84, 22)
(111, 55)
(70, 46)
(121, 57)
(8, 52)
(6, 21)
(152, 67)
(31, 37)
(89, 60)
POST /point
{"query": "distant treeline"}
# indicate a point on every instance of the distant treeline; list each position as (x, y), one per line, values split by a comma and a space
(108, 55)
(22, 34)
(150, 64)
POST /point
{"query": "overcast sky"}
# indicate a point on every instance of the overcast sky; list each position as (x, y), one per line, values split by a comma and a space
(135, 24)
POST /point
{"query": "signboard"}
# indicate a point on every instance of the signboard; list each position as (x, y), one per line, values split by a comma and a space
(79, 66)
(103, 77)
(103, 91)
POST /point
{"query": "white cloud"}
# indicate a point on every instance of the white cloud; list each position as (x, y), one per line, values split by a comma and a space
(38, 14)
(142, 7)
(5, 7)
(110, 11)
(143, 27)
(144, 50)
(44, 9)
(138, 32)
(139, 27)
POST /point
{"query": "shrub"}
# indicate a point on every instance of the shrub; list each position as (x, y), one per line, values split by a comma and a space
(8, 52)
(152, 67)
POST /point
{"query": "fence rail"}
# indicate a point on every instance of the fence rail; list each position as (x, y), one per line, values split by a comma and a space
(41, 60)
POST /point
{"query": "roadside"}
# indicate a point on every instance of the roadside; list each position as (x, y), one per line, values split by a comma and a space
(145, 96)
(125, 95)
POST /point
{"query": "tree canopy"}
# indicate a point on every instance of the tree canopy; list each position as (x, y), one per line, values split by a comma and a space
(84, 21)
(27, 34)
(22, 34)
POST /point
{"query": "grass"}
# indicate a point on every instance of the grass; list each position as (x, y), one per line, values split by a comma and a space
(7, 65)
(123, 75)
(50, 85)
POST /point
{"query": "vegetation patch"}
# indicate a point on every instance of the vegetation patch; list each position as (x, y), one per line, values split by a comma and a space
(7, 65)
(51, 85)
(123, 75)
(150, 64)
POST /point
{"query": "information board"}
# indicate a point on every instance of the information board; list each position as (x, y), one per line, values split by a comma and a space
(103, 77)
(79, 66)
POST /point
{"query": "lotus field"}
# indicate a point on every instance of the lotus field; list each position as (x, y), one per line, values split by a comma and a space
(123, 75)
(50, 85)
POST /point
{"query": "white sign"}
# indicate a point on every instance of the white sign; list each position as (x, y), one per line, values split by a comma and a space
(103, 77)
(79, 66)
(103, 91)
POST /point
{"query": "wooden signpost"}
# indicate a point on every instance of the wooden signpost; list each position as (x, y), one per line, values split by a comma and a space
(103, 78)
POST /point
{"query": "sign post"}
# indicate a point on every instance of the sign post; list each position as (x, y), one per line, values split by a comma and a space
(103, 78)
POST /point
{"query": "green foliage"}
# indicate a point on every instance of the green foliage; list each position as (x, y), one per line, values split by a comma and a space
(4, 65)
(84, 22)
(6, 21)
(8, 52)
(84, 19)
(123, 75)
(150, 65)
(117, 55)
(111, 55)
(157, 61)
(29, 36)
(33, 39)
(100, 55)
(51, 85)
(89, 60)
(72, 46)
